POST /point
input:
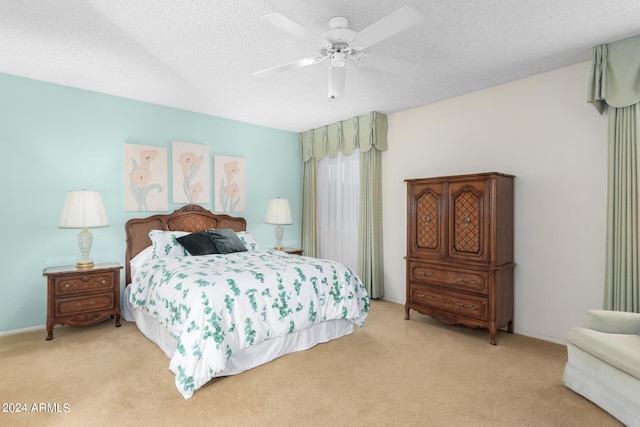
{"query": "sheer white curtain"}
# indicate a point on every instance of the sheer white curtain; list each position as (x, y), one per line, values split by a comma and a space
(338, 192)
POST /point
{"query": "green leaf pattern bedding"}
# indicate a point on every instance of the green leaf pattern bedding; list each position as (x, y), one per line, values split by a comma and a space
(217, 305)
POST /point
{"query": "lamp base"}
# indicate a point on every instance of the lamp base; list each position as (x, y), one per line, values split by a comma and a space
(85, 239)
(84, 265)
(279, 233)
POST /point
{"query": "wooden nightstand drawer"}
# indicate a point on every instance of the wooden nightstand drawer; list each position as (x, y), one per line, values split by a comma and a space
(69, 285)
(75, 305)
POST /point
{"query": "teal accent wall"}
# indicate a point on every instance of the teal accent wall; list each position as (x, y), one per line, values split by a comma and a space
(56, 138)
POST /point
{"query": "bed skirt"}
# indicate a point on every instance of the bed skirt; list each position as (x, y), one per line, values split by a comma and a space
(250, 357)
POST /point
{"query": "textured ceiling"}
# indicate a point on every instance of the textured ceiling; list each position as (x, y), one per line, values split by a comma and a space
(198, 55)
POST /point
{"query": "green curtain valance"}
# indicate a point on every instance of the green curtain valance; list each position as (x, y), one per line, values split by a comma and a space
(359, 133)
(615, 74)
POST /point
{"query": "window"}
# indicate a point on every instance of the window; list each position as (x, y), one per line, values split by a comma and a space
(338, 187)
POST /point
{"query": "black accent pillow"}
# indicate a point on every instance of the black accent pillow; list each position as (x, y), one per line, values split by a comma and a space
(198, 243)
(227, 241)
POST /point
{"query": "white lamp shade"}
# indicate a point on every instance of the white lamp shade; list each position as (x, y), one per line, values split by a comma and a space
(83, 209)
(278, 212)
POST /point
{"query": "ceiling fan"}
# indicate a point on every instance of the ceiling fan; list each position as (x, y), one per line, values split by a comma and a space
(340, 44)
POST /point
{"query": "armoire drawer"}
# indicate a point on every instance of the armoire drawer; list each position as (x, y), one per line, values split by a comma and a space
(466, 305)
(452, 278)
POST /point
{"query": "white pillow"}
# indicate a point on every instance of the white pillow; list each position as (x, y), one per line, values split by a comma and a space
(164, 243)
(248, 240)
(140, 259)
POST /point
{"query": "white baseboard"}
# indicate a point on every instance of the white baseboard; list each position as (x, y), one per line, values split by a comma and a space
(19, 331)
(393, 300)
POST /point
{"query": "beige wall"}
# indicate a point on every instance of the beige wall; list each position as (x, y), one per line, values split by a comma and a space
(542, 130)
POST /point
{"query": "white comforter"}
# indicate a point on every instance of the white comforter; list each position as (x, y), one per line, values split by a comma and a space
(216, 305)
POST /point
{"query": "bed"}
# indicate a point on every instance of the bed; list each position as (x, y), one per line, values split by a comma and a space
(220, 314)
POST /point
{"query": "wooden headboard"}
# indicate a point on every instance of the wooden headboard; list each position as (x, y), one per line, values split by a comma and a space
(188, 218)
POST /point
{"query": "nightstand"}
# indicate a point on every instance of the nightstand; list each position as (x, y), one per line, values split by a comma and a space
(79, 297)
(294, 251)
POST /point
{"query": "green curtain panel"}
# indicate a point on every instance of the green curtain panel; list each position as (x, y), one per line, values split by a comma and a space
(309, 221)
(368, 134)
(614, 85)
(370, 258)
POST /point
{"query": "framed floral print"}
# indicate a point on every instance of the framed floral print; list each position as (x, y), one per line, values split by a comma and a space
(230, 184)
(190, 172)
(145, 178)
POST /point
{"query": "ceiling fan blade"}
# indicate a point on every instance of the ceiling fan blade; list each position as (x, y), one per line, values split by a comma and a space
(398, 21)
(336, 81)
(296, 29)
(389, 64)
(286, 67)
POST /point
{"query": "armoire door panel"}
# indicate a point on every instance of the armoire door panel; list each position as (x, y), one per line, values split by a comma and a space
(428, 222)
(468, 225)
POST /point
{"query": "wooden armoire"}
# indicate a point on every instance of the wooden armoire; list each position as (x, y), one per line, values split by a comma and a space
(460, 250)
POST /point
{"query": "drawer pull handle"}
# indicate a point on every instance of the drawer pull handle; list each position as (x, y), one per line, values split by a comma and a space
(429, 274)
(85, 278)
(104, 281)
(471, 306)
(459, 304)
(428, 297)
(459, 279)
(80, 304)
(66, 285)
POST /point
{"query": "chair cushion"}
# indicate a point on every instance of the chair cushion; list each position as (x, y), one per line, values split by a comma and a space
(621, 351)
(613, 322)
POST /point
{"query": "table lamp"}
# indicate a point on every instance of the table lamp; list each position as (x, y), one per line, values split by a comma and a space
(278, 213)
(83, 209)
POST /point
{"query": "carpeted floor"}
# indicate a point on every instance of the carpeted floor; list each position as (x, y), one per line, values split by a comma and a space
(392, 372)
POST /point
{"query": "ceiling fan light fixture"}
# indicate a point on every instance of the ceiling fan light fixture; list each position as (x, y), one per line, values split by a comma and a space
(336, 81)
(338, 59)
